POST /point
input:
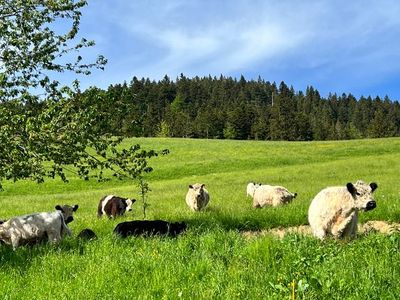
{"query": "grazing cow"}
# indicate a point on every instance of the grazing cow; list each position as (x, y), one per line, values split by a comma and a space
(34, 228)
(334, 210)
(148, 228)
(251, 188)
(197, 197)
(87, 234)
(113, 206)
(269, 195)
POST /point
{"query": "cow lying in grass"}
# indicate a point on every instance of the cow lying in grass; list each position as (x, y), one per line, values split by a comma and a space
(148, 228)
(36, 227)
(271, 195)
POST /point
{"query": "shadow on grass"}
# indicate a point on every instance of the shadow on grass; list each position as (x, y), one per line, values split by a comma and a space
(23, 257)
(252, 220)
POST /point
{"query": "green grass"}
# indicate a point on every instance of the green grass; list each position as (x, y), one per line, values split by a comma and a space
(213, 260)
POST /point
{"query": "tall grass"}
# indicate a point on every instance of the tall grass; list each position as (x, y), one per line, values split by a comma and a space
(213, 260)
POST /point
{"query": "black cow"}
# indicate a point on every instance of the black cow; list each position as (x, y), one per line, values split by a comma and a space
(148, 228)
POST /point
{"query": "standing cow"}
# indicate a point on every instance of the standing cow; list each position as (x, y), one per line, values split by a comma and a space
(334, 210)
(197, 197)
(34, 228)
(114, 206)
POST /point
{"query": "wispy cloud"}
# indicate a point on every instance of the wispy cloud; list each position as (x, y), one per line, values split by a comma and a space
(332, 45)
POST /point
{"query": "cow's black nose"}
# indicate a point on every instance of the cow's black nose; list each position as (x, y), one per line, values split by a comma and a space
(371, 205)
(69, 219)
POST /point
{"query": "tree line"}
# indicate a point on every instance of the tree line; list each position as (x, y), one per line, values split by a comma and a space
(230, 108)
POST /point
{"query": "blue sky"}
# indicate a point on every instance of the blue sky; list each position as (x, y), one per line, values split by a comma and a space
(335, 46)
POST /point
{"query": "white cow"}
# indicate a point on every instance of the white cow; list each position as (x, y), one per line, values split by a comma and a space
(33, 228)
(334, 210)
(272, 195)
(197, 197)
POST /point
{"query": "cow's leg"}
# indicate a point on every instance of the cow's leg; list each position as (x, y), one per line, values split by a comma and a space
(65, 231)
(343, 226)
(319, 233)
(54, 236)
(256, 204)
(276, 201)
(114, 211)
(14, 241)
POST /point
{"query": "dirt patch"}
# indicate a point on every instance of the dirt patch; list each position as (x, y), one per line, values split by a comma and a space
(279, 232)
(383, 227)
(379, 226)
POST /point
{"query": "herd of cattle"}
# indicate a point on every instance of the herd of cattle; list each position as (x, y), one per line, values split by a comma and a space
(333, 212)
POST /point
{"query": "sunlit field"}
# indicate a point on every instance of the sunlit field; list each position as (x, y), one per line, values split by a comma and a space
(213, 259)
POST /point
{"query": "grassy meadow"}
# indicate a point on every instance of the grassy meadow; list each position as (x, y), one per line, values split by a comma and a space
(213, 259)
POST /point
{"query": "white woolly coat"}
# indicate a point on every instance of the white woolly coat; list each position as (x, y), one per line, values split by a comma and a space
(334, 210)
(268, 195)
(197, 197)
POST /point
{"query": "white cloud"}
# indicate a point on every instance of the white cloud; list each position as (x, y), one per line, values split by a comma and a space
(321, 42)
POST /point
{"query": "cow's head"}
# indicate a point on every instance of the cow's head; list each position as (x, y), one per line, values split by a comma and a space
(177, 228)
(129, 203)
(362, 194)
(67, 212)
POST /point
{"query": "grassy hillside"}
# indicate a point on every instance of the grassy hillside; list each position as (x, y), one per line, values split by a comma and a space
(213, 259)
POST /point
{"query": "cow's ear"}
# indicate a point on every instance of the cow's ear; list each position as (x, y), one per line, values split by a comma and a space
(351, 188)
(373, 186)
(133, 200)
(58, 207)
(190, 186)
(75, 208)
(203, 185)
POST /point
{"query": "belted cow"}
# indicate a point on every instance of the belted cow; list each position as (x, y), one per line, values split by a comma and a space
(113, 206)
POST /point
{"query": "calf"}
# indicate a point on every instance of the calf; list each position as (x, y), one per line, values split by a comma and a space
(148, 228)
(34, 228)
(113, 206)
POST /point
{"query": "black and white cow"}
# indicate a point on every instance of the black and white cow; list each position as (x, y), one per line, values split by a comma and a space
(113, 206)
(148, 228)
(36, 227)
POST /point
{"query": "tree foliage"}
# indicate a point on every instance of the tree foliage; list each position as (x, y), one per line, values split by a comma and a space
(47, 128)
(225, 107)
